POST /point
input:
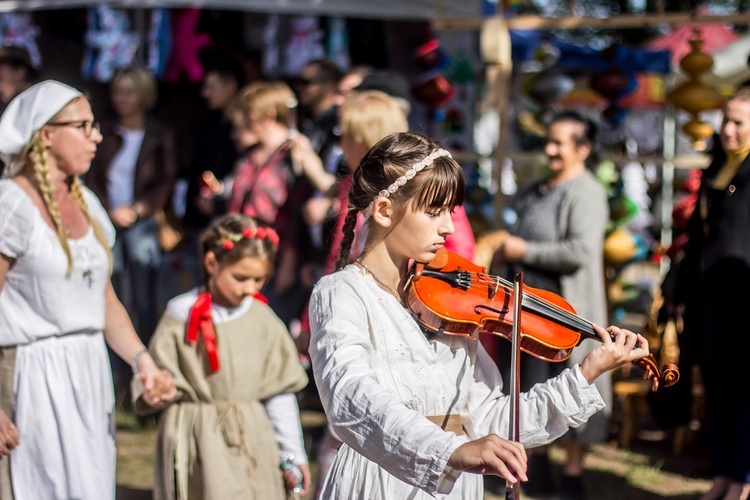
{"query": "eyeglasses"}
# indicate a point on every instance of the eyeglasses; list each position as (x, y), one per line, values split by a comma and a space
(87, 126)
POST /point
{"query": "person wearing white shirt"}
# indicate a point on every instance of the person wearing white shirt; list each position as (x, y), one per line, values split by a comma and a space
(422, 415)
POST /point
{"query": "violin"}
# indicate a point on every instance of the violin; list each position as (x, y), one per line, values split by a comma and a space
(452, 295)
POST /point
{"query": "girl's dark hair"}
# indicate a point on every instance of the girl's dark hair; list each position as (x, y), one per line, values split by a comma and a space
(226, 240)
(587, 138)
(438, 185)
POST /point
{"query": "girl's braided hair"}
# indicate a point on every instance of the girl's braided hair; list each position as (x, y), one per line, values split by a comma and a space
(234, 237)
(440, 184)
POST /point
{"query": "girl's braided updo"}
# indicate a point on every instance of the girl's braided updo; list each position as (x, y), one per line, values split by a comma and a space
(440, 184)
(234, 237)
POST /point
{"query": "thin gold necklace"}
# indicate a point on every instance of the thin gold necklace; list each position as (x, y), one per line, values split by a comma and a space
(381, 282)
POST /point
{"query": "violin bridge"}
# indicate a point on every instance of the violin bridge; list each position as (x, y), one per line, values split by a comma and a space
(492, 290)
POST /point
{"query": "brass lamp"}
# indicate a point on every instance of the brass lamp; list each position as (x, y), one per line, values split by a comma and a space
(695, 96)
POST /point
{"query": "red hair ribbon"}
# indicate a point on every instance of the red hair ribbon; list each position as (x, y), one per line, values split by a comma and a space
(200, 320)
(260, 297)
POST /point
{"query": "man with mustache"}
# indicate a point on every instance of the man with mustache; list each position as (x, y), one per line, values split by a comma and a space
(556, 240)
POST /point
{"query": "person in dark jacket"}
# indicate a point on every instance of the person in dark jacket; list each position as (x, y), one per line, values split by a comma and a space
(712, 286)
(133, 174)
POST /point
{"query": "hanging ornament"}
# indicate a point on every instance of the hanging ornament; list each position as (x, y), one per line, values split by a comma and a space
(695, 96)
(433, 88)
(185, 59)
(613, 84)
(18, 30)
(305, 44)
(159, 41)
(338, 42)
(546, 87)
(110, 44)
(271, 56)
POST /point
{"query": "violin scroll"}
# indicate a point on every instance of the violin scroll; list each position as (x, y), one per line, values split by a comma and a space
(667, 376)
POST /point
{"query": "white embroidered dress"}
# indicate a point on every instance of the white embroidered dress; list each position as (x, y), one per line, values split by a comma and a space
(378, 376)
(64, 399)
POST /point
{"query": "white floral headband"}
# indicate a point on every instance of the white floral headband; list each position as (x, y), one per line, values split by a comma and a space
(408, 175)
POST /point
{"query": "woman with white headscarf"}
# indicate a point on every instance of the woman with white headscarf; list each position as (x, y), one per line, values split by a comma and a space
(57, 306)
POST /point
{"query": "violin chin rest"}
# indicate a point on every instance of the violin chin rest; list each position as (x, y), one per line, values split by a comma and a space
(440, 261)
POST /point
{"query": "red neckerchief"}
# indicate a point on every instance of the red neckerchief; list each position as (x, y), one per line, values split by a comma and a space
(260, 297)
(200, 319)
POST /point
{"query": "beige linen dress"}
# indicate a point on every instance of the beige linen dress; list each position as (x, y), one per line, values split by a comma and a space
(216, 441)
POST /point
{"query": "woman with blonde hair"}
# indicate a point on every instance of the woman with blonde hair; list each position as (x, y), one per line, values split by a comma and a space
(262, 174)
(133, 175)
(57, 305)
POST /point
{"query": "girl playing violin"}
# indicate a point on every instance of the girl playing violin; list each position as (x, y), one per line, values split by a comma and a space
(419, 414)
(235, 417)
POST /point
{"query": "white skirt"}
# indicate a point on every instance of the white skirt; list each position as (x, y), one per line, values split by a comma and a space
(64, 401)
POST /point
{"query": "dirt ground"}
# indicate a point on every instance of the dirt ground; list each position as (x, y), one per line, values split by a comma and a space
(646, 472)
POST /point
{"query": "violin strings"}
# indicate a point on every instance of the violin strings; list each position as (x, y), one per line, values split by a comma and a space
(485, 284)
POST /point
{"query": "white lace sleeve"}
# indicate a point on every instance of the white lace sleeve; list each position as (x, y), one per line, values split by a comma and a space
(547, 410)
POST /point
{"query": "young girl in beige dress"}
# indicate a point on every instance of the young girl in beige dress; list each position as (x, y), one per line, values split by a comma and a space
(236, 370)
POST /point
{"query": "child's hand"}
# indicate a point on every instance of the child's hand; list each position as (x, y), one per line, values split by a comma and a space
(290, 481)
(158, 388)
(491, 455)
(612, 354)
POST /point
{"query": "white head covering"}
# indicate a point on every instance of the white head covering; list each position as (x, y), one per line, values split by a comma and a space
(29, 111)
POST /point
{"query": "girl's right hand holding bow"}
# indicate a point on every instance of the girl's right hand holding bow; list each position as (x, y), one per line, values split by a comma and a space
(625, 348)
(491, 455)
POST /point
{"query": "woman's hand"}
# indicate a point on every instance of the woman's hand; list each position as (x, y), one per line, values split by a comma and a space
(612, 354)
(162, 391)
(306, 161)
(315, 210)
(491, 455)
(513, 249)
(158, 385)
(123, 217)
(9, 435)
(290, 481)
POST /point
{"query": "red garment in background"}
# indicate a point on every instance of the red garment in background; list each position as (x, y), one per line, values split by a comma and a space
(462, 241)
(260, 190)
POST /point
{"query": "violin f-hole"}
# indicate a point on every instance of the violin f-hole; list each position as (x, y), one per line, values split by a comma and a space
(499, 312)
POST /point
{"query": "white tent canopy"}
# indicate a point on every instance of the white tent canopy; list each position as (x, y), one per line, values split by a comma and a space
(380, 9)
(730, 63)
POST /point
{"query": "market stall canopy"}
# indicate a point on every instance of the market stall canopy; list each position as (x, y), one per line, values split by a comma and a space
(382, 9)
(575, 59)
(715, 36)
(731, 64)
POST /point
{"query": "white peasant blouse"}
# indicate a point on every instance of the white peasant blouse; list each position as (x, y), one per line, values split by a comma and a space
(39, 299)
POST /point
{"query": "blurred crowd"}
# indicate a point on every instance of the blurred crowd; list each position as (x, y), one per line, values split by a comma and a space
(283, 153)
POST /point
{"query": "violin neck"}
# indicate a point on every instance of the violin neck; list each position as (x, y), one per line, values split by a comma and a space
(559, 316)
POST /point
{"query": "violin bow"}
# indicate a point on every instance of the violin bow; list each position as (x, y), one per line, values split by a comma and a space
(513, 490)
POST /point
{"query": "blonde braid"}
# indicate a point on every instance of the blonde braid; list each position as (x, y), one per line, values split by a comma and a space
(77, 192)
(37, 156)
